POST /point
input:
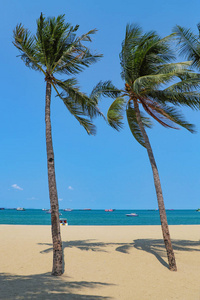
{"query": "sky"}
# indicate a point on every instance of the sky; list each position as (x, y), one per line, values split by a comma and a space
(109, 170)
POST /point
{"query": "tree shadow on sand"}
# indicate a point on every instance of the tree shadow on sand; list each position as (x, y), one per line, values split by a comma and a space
(44, 286)
(155, 247)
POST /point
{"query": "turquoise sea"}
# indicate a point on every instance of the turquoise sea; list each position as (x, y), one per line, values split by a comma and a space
(99, 217)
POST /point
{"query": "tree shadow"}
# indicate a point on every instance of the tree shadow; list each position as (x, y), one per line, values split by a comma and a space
(86, 245)
(155, 247)
(44, 286)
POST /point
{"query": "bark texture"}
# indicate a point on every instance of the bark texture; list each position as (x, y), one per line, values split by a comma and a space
(55, 222)
(163, 217)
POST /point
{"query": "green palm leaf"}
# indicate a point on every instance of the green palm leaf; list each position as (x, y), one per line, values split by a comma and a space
(25, 43)
(133, 124)
(105, 89)
(77, 112)
(179, 68)
(115, 113)
(150, 82)
(189, 44)
(70, 90)
(170, 113)
(141, 55)
(189, 99)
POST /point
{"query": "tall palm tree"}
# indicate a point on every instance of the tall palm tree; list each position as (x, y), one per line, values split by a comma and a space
(189, 44)
(55, 49)
(146, 68)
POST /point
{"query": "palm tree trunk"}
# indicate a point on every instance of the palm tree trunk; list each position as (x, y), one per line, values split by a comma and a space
(163, 217)
(55, 222)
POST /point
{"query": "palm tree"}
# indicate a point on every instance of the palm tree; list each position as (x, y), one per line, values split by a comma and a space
(189, 44)
(55, 49)
(146, 67)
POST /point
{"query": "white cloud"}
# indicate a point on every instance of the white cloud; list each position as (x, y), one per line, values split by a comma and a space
(70, 187)
(16, 187)
(32, 198)
(60, 199)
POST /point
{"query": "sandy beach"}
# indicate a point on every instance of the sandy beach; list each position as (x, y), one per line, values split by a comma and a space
(101, 262)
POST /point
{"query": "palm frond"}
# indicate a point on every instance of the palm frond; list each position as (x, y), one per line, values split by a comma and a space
(105, 89)
(133, 124)
(55, 46)
(115, 113)
(150, 82)
(142, 56)
(53, 37)
(189, 99)
(71, 91)
(188, 44)
(180, 67)
(74, 56)
(76, 110)
(25, 43)
(156, 112)
(86, 36)
(189, 82)
(171, 114)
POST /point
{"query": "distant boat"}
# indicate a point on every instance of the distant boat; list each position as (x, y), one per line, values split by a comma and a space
(132, 215)
(20, 209)
(44, 209)
(67, 209)
(87, 209)
(63, 222)
(109, 209)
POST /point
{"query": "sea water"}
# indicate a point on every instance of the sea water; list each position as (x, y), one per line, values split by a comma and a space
(100, 217)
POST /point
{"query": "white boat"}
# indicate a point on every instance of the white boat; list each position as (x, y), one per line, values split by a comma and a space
(67, 209)
(20, 208)
(132, 215)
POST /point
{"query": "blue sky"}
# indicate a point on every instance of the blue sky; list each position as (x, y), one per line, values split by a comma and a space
(110, 170)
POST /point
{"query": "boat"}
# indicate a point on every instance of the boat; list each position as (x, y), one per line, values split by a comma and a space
(20, 209)
(109, 209)
(67, 209)
(132, 215)
(44, 209)
(63, 222)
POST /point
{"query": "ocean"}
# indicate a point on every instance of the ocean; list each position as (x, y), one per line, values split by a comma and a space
(100, 217)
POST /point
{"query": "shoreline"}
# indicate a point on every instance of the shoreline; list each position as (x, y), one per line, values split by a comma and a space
(101, 262)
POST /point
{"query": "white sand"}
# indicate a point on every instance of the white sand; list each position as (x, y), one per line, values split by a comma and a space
(101, 262)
